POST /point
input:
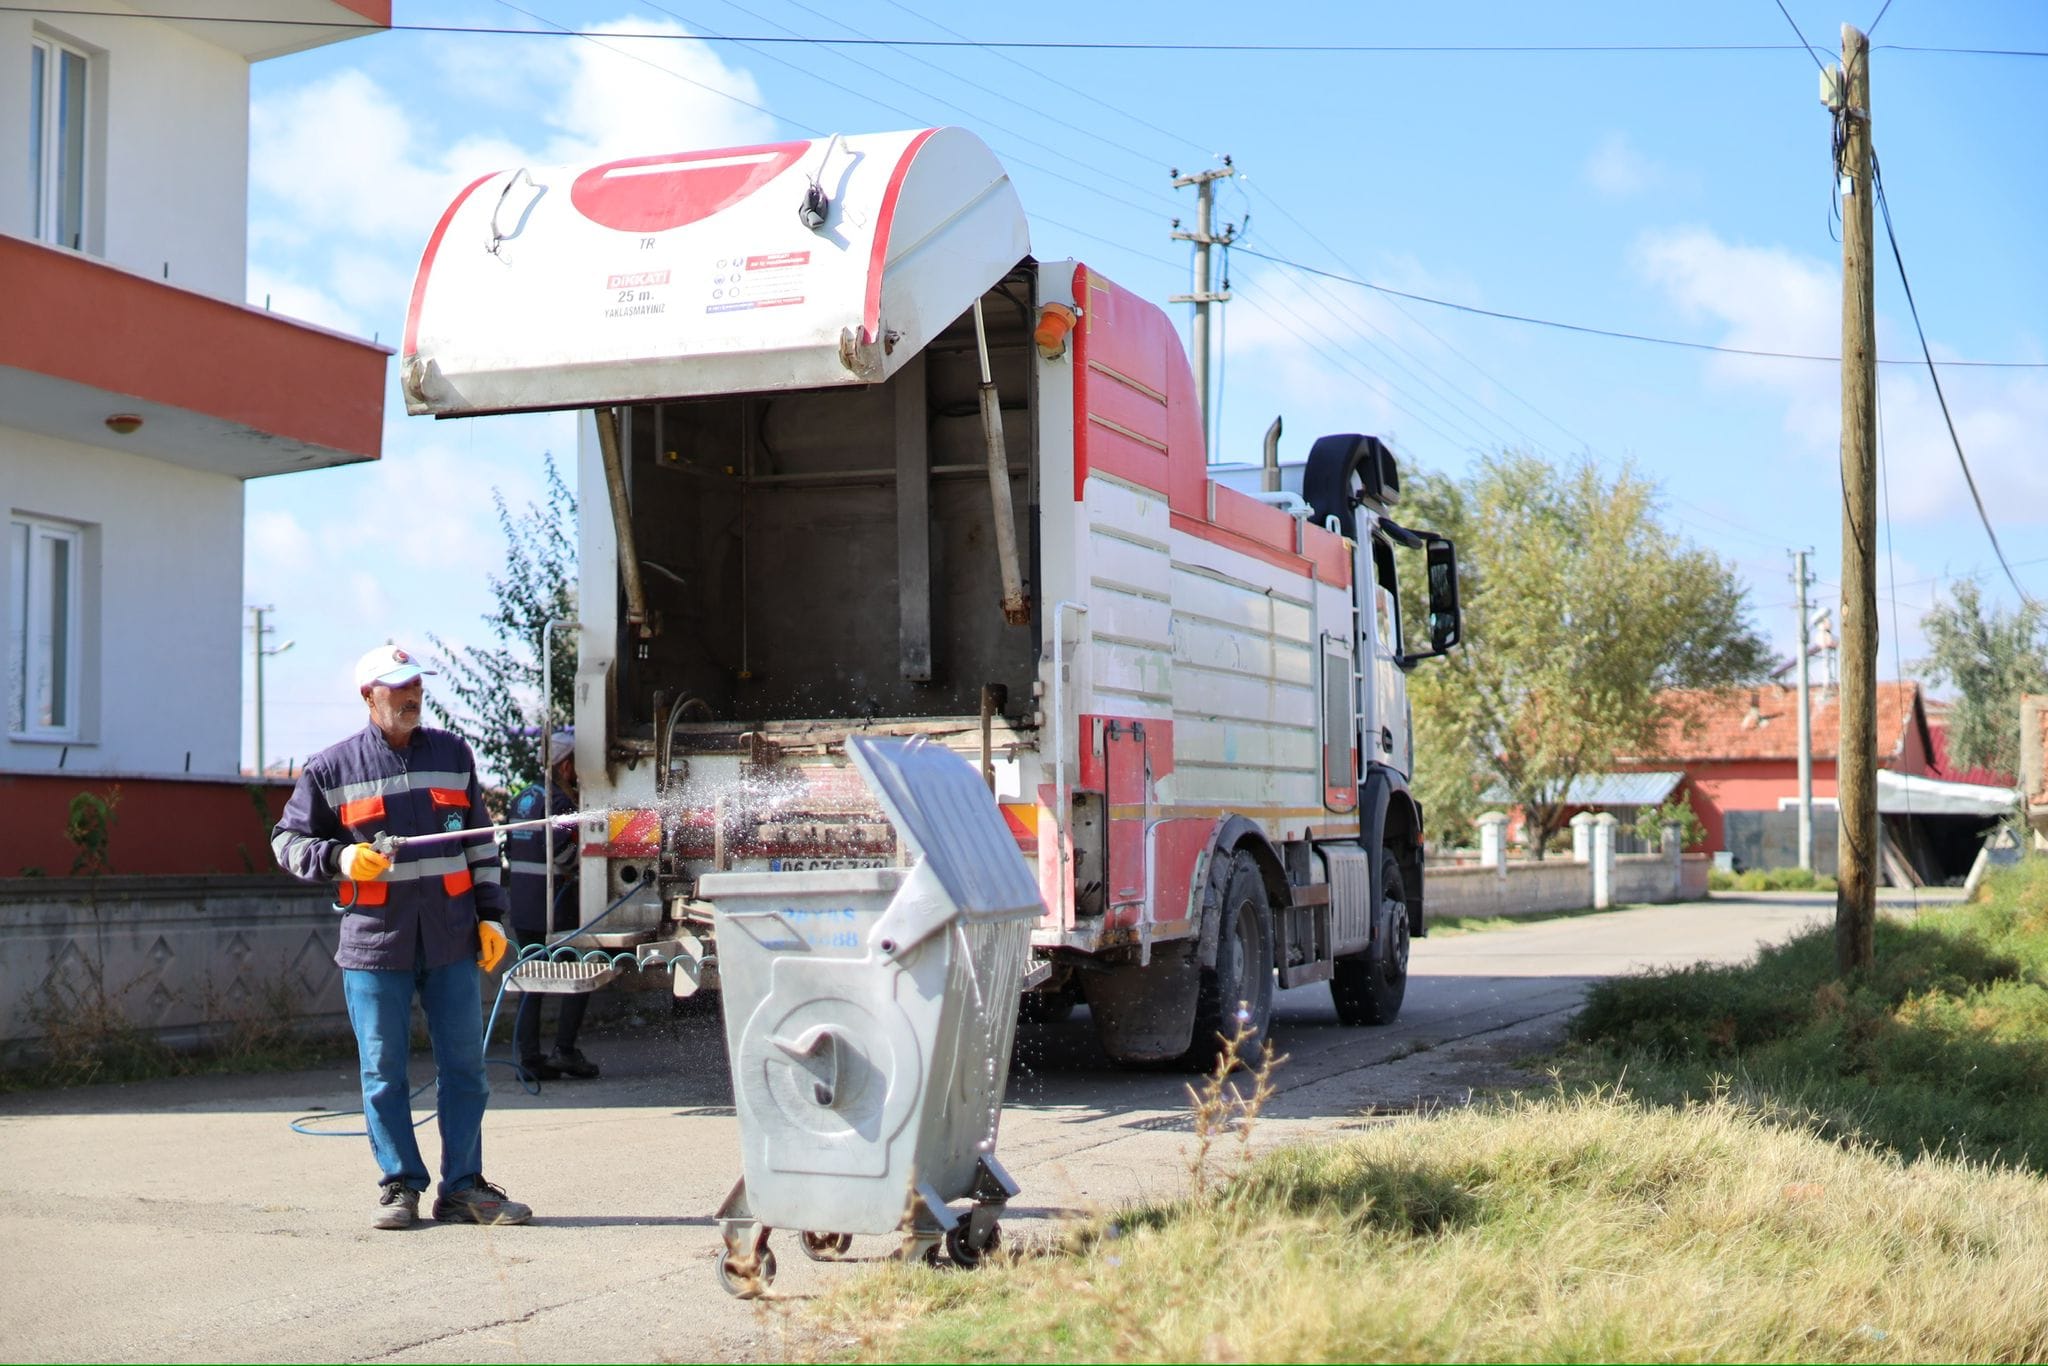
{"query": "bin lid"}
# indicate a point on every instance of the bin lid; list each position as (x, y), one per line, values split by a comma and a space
(692, 273)
(946, 816)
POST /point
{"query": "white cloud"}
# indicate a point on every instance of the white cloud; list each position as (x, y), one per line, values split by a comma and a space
(1616, 169)
(1771, 299)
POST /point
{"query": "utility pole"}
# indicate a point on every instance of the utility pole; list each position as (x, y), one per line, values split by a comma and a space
(1205, 293)
(1856, 749)
(1804, 581)
(258, 631)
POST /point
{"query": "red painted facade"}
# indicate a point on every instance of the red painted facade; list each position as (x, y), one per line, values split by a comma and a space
(161, 825)
(1739, 749)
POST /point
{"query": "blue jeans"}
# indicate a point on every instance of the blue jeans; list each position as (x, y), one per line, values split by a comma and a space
(380, 1009)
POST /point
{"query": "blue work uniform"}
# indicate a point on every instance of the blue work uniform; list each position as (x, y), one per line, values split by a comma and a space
(526, 881)
(409, 934)
(423, 912)
(526, 869)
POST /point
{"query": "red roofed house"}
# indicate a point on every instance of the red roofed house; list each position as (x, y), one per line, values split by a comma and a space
(1739, 750)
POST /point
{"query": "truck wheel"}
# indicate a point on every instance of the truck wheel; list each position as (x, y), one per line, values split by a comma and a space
(1243, 975)
(1368, 987)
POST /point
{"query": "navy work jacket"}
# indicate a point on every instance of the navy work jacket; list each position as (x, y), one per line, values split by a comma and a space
(526, 864)
(423, 912)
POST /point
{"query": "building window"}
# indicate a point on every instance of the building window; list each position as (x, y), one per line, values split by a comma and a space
(44, 571)
(57, 115)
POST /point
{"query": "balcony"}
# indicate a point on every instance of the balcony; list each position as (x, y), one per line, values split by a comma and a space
(219, 386)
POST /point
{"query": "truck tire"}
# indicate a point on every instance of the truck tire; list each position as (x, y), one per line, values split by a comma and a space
(1368, 987)
(1243, 974)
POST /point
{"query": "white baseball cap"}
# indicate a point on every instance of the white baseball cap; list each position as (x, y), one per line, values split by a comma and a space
(561, 745)
(389, 665)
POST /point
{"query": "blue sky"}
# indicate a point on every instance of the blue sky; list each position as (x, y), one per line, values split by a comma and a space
(1677, 194)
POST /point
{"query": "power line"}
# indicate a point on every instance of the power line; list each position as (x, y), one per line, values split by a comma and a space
(1020, 44)
(870, 67)
(1801, 36)
(1617, 335)
(1884, 205)
(1872, 26)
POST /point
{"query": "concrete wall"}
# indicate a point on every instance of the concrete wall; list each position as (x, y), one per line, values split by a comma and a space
(1559, 884)
(178, 955)
(162, 640)
(167, 146)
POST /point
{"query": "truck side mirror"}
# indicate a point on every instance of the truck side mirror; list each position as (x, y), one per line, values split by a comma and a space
(1445, 625)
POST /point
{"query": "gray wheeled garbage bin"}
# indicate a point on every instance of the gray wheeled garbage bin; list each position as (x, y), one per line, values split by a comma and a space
(870, 1014)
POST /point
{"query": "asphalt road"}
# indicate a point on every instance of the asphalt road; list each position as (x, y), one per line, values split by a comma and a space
(183, 1220)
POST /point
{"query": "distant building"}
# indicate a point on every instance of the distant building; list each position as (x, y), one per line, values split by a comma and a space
(137, 394)
(1739, 751)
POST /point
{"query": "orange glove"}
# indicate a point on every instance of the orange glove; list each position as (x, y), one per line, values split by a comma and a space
(362, 863)
(492, 945)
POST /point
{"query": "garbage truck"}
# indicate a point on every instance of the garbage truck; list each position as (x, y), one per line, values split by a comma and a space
(852, 461)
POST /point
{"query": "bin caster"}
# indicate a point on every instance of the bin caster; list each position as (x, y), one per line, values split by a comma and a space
(969, 1252)
(825, 1247)
(747, 1284)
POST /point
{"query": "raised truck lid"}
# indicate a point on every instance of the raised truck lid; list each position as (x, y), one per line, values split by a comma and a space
(695, 273)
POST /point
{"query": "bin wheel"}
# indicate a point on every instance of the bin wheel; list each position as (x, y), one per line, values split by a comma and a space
(825, 1247)
(747, 1287)
(960, 1244)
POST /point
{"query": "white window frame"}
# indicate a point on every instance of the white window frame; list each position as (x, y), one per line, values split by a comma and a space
(47, 164)
(30, 658)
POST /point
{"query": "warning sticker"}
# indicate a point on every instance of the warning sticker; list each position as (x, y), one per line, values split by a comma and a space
(632, 293)
(639, 279)
(763, 280)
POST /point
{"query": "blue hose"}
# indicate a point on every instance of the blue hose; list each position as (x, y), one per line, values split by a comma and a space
(549, 949)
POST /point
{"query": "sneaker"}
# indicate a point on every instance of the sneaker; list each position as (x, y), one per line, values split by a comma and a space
(570, 1062)
(539, 1068)
(397, 1206)
(482, 1203)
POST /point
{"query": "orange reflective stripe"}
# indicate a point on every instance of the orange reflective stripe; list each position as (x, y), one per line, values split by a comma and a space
(362, 811)
(450, 796)
(455, 884)
(354, 894)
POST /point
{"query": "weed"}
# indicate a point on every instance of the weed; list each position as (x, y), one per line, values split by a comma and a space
(1220, 1107)
(89, 825)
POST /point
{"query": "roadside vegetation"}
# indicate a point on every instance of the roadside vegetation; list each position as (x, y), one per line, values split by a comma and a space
(1770, 880)
(1753, 1163)
(1942, 1047)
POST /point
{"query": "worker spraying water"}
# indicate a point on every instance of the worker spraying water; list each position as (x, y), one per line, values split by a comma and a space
(410, 927)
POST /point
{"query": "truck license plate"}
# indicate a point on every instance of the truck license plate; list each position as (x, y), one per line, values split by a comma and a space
(812, 865)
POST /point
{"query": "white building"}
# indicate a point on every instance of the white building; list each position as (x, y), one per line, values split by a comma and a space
(137, 390)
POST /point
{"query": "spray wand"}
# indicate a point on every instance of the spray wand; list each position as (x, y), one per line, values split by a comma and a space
(387, 845)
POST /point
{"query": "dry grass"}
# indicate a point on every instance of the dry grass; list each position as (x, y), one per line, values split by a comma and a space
(1814, 1170)
(1584, 1228)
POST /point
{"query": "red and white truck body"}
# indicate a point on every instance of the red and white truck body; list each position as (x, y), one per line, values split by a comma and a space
(852, 460)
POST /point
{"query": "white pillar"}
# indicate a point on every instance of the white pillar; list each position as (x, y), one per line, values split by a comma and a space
(1674, 854)
(1582, 837)
(1493, 841)
(1603, 860)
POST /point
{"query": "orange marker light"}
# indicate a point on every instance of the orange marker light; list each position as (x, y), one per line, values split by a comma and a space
(1055, 321)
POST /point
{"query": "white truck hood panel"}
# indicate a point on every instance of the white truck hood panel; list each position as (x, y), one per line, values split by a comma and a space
(690, 273)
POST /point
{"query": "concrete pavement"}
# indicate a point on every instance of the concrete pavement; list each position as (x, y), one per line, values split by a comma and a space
(183, 1220)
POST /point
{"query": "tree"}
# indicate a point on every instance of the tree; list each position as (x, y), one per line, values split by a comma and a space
(1579, 607)
(1990, 659)
(496, 690)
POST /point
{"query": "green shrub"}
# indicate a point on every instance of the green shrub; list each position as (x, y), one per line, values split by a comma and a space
(1941, 1046)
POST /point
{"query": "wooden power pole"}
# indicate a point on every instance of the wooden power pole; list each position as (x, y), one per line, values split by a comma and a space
(1856, 748)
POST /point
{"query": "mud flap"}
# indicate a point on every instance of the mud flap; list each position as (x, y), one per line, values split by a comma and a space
(1147, 1014)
